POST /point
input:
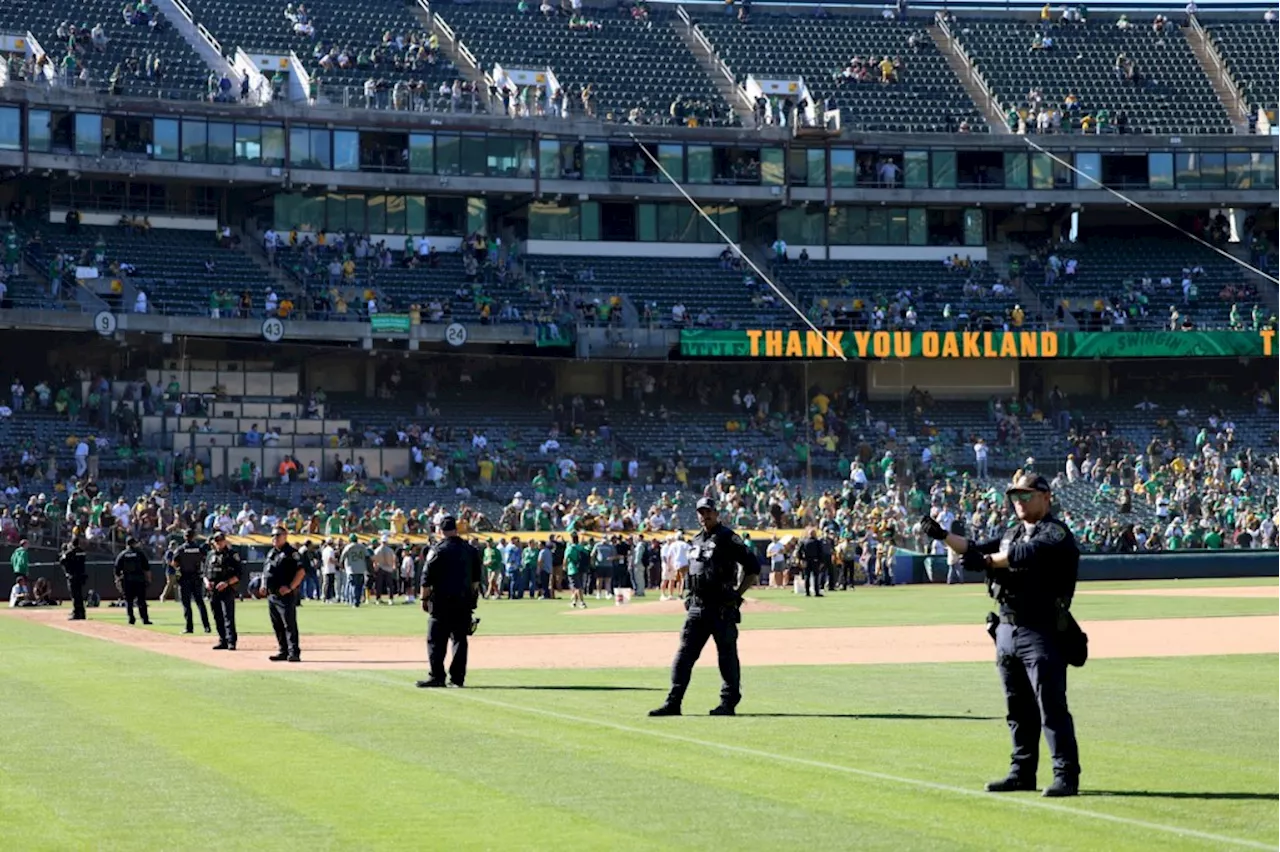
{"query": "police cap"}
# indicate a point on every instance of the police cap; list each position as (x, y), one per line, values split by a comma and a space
(448, 524)
(1029, 482)
(706, 503)
(219, 536)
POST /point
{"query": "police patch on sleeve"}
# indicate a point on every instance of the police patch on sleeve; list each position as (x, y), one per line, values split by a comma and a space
(1055, 533)
(737, 539)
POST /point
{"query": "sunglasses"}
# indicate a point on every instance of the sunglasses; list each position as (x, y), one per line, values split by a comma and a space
(1023, 496)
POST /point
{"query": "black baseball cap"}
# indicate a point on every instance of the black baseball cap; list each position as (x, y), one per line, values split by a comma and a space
(219, 536)
(706, 503)
(1029, 482)
(448, 524)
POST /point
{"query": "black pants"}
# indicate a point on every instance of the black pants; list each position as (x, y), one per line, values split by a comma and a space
(75, 587)
(135, 594)
(284, 620)
(191, 589)
(330, 586)
(443, 628)
(703, 623)
(224, 614)
(1035, 688)
(812, 577)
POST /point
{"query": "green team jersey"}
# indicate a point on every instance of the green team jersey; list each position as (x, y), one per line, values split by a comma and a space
(542, 521)
(576, 559)
(492, 559)
(529, 558)
(527, 519)
(333, 525)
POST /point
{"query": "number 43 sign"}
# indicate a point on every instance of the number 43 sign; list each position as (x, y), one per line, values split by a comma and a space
(272, 330)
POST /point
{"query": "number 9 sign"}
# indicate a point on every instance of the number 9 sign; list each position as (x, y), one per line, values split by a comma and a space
(455, 334)
(272, 330)
(105, 323)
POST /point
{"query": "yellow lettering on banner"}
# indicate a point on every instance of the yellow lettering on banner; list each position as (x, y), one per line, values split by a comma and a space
(929, 344)
(971, 345)
(950, 346)
(835, 348)
(1049, 344)
(902, 344)
(862, 338)
(880, 344)
(754, 336)
(1027, 341)
(1268, 338)
(1008, 346)
(773, 344)
(814, 344)
(794, 348)
(987, 350)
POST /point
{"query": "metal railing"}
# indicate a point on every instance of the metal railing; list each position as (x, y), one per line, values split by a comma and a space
(1220, 66)
(717, 61)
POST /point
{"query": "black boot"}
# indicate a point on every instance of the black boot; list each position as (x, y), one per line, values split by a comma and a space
(1061, 787)
(1012, 784)
(724, 709)
(667, 709)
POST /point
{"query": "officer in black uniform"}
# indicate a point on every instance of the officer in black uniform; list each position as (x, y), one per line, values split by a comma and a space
(133, 575)
(713, 602)
(812, 552)
(72, 561)
(450, 590)
(282, 573)
(222, 576)
(1031, 572)
(188, 560)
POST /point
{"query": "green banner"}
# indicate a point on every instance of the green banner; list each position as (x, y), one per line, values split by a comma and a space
(394, 323)
(773, 343)
(563, 339)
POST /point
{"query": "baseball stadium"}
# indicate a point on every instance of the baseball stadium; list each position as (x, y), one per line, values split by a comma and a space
(877, 402)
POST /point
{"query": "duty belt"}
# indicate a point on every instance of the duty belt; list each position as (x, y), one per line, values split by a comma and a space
(1023, 620)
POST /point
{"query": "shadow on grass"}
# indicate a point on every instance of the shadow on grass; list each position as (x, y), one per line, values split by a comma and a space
(1182, 794)
(573, 688)
(910, 717)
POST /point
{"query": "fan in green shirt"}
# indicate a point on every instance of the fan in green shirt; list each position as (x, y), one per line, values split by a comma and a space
(1213, 540)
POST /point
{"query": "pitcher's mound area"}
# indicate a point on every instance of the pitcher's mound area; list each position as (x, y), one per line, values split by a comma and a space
(656, 606)
(1174, 637)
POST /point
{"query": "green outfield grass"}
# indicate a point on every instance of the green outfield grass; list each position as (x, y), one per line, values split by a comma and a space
(111, 747)
(866, 607)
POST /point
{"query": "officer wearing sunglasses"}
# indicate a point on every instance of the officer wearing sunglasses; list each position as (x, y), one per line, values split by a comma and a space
(1031, 572)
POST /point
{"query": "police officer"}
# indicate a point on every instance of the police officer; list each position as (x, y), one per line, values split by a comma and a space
(222, 577)
(713, 603)
(282, 573)
(72, 561)
(450, 589)
(813, 553)
(133, 575)
(1031, 572)
(188, 560)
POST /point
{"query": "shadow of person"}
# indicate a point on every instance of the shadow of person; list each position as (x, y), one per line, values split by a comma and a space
(905, 717)
(574, 688)
(1184, 794)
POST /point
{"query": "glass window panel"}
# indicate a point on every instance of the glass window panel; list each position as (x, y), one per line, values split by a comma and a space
(272, 145)
(974, 227)
(336, 212)
(248, 143)
(797, 166)
(918, 226)
(1041, 171)
(1090, 165)
(346, 150)
(10, 129)
(355, 213)
(311, 213)
(376, 210)
(838, 226)
(395, 214)
(39, 132)
(522, 151)
(844, 172)
(299, 147)
(477, 215)
(877, 226)
(706, 233)
(1187, 169)
(472, 159)
(195, 141)
(772, 167)
(676, 223)
(730, 221)
(1264, 170)
(286, 206)
(817, 164)
(699, 158)
(1015, 169)
(647, 223)
(415, 214)
(595, 160)
(589, 220)
(857, 226)
(672, 159)
(1213, 169)
(1239, 173)
(553, 222)
(549, 158)
(897, 230)
(222, 143)
(422, 153)
(1160, 170)
(164, 139)
(88, 133)
(447, 216)
(321, 149)
(448, 153)
(943, 169)
(915, 169)
(499, 156)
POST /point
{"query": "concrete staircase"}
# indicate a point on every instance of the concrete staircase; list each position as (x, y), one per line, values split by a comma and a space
(968, 75)
(1215, 68)
(201, 40)
(452, 47)
(715, 67)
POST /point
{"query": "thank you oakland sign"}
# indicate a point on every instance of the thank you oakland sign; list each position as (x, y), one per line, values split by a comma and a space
(784, 343)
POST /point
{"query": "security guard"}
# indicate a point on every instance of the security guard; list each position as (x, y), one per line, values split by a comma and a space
(713, 603)
(222, 577)
(188, 560)
(133, 575)
(72, 561)
(1031, 572)
(450, 590)
(282, 573)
